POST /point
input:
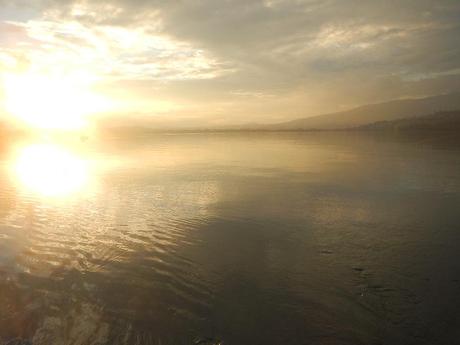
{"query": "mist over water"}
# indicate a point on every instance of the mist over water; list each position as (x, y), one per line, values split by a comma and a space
(245, 238)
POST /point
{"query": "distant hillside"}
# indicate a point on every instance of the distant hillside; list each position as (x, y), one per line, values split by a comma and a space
(393, 110)
(441, 121)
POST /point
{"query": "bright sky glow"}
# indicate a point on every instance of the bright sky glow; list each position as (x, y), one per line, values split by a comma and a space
(49, 102)
(209, 62)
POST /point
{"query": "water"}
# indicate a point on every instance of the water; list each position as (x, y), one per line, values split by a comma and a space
(245, 238)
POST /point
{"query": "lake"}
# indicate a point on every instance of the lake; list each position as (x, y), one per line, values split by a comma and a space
(243, 238)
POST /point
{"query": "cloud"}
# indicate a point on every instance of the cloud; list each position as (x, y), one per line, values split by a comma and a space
(247, 59)
(51, 43)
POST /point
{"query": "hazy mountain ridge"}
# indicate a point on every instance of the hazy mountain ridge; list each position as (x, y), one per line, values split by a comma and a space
(441, 121)
(367, 114)
(434, 112)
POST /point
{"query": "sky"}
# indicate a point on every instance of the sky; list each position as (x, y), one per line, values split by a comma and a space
(220, 62)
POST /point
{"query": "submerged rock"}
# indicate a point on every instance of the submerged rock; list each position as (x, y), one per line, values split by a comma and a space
(207, 341)
(18, 342)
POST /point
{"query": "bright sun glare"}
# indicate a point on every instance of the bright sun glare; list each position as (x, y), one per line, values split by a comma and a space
(50, 102)
(50, 170)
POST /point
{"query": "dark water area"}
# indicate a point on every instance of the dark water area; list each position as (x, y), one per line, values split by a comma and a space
(243, 238)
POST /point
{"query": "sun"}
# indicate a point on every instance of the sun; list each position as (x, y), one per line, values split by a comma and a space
(50, 102)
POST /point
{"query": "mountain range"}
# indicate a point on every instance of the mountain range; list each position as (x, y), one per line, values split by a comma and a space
(372, 113)
(440, 121)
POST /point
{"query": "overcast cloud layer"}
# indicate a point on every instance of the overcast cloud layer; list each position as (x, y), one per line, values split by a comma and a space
(215, 62)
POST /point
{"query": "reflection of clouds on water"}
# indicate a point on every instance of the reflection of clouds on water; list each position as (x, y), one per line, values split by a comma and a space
(227, 237)
(74, 251)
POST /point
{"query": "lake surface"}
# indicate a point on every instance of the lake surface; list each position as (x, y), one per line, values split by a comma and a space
(244, 238)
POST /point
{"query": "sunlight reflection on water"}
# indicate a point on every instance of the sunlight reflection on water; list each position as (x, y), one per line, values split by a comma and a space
(50, 170)
(254, 238)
